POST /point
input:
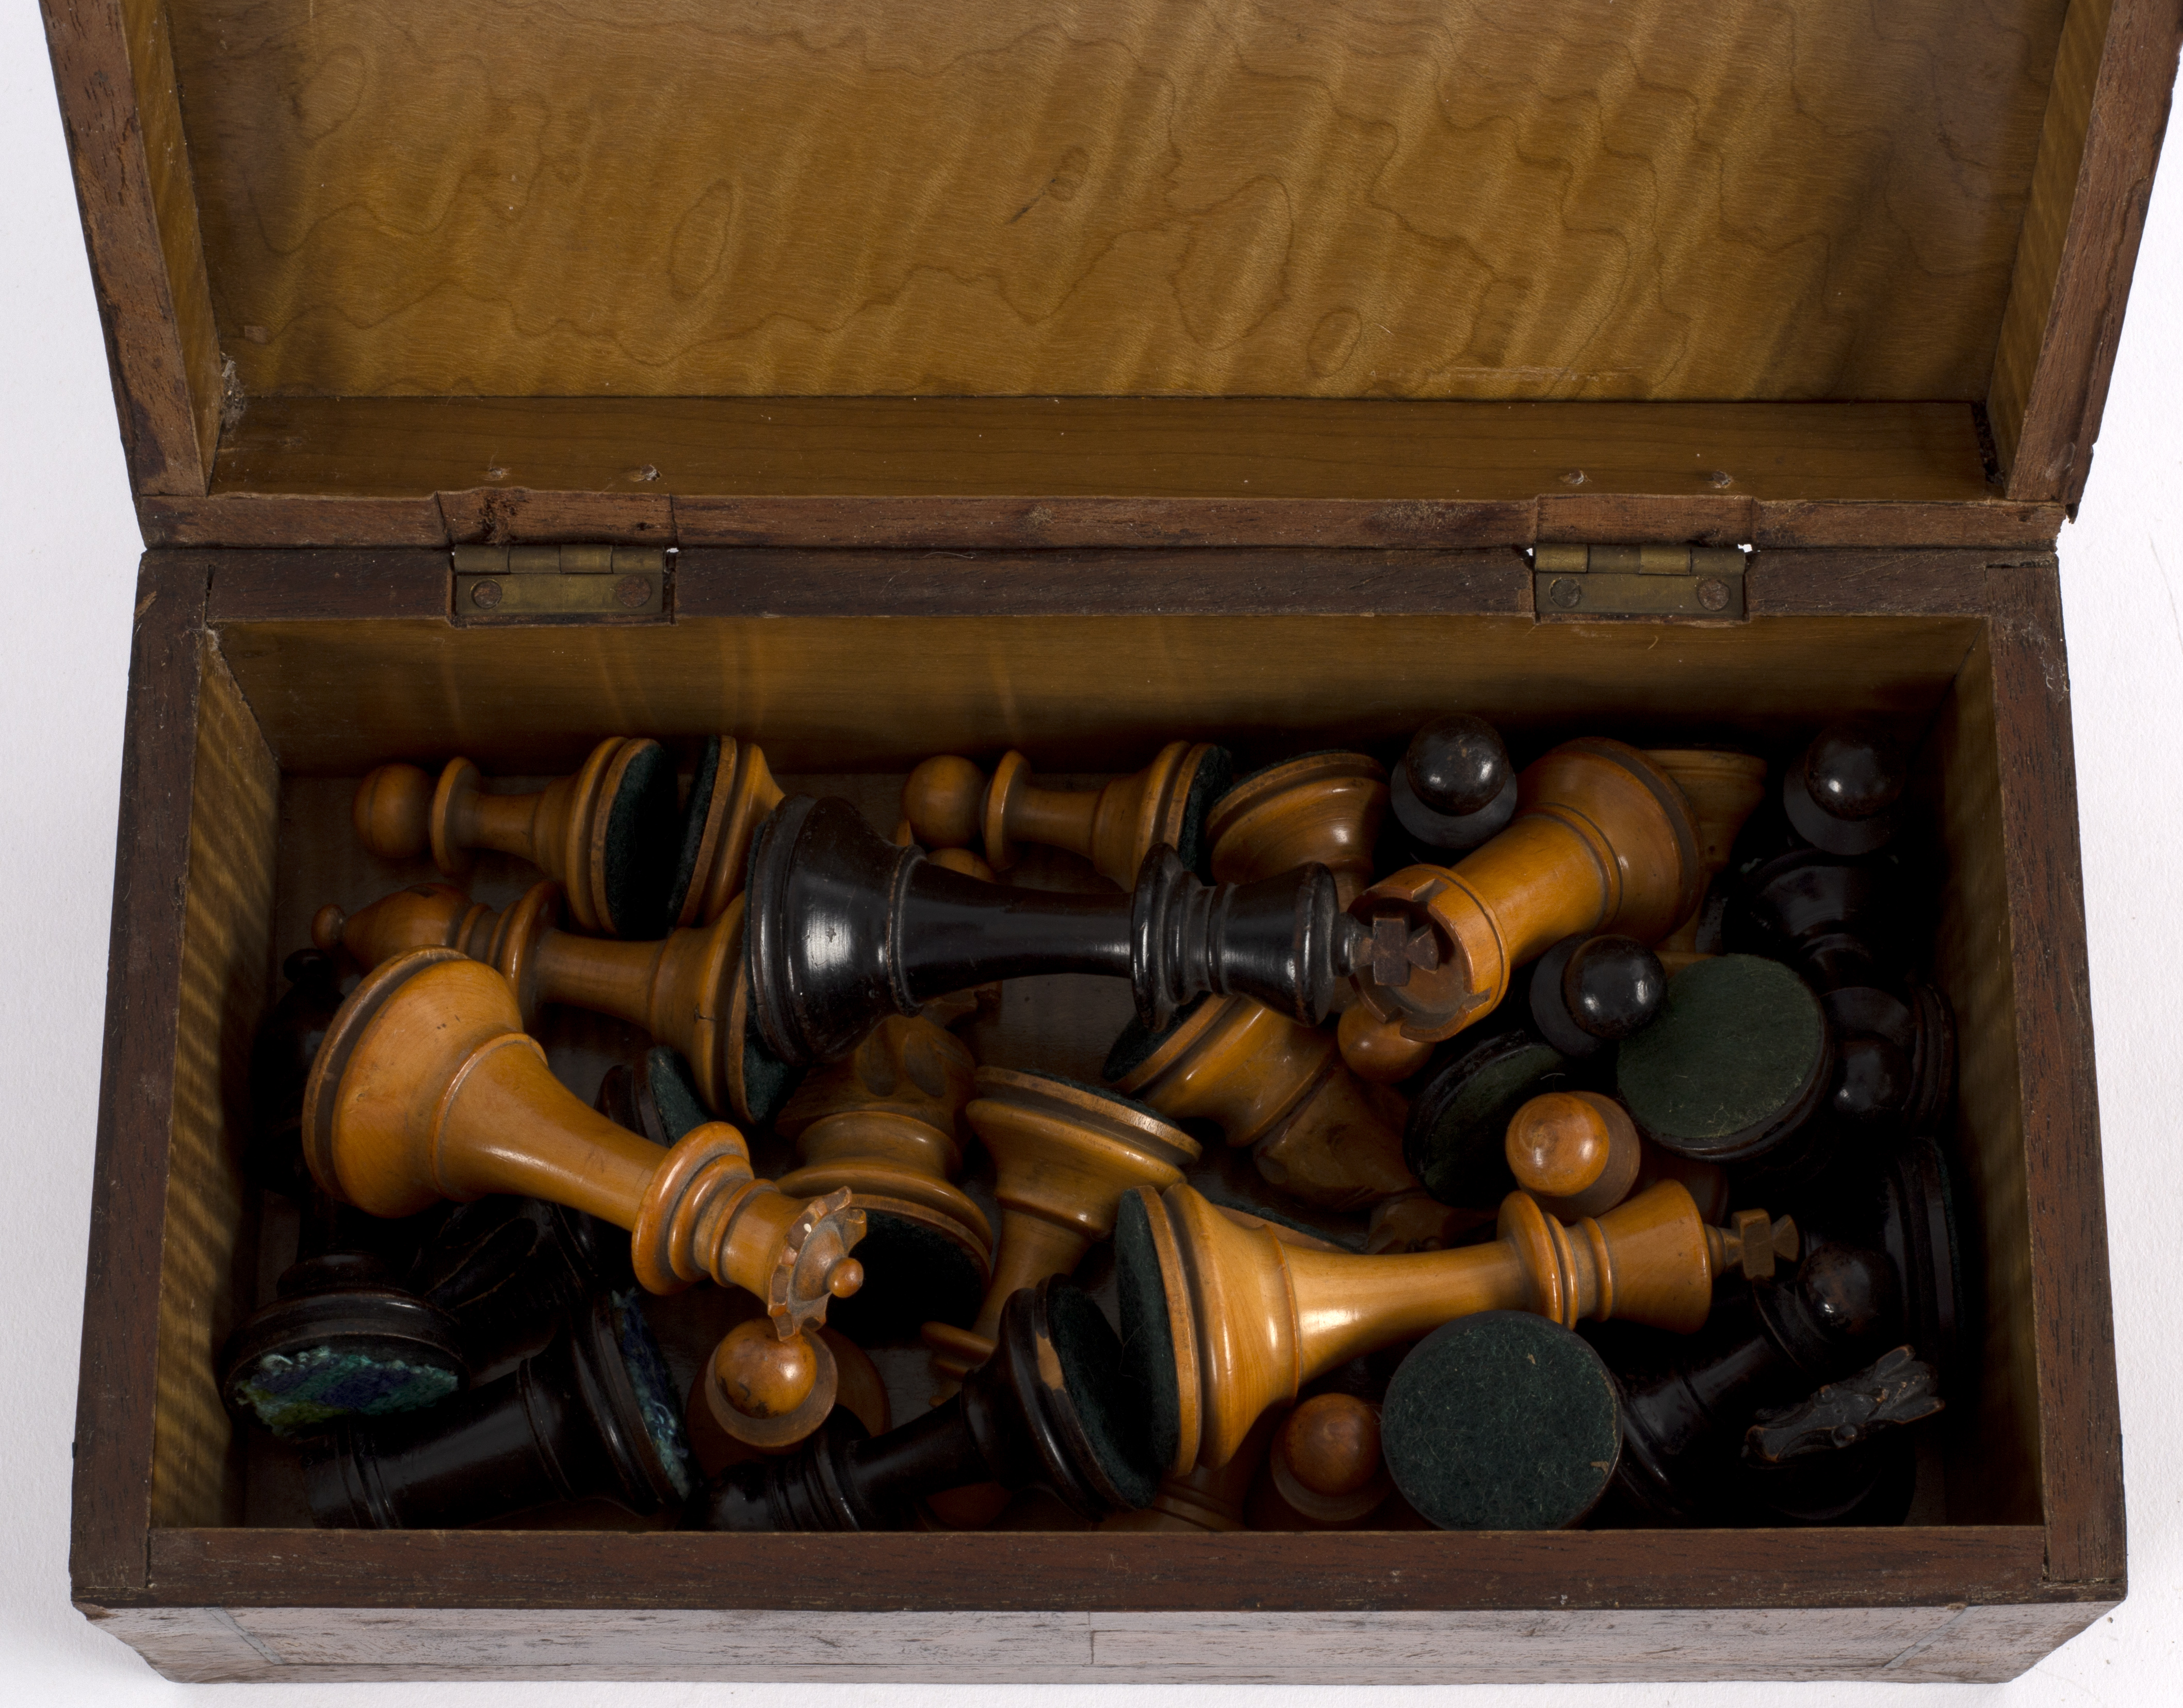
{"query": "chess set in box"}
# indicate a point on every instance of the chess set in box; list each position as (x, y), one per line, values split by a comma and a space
(1676, 385)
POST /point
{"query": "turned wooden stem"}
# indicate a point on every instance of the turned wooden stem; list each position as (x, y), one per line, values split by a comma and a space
(1601, 841)
(948, 803)
(562, 829)
(1280, 1087)
(1062, 1157)
(426, 1088)
(1326, 807)
(1251, 1318)
(687, 989)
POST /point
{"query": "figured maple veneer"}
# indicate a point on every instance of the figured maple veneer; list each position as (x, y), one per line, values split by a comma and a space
(1124, 198)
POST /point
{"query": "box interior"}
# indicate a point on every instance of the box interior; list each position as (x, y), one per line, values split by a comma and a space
(1769, 236)
(291, 713)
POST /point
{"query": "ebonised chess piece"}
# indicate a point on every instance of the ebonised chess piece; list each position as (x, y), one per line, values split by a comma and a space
(1455, 787)
(1064, 1155)
(1587, 993)
(1325, 1460)
(1222, 1321)
(1277, 1085)
(1502, 1421)
(280, 1055)
(426, 1088)
(592, 1416)
(950, 804)
(1842, 792)
(609, 835)
(1047, 1409)
(731, 793)
(1602, 842)
(1455, 1138)
(846, 927)
(884, 1123)
(1579, 1154)
(1724, 789)
(1839, 1457)
(689, 989)
(1321, 809)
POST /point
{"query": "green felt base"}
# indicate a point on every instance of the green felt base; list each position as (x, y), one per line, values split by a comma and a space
(292, 1395)
(693, 827)
(1733, 1059)
(1502, 1421)
(643, 840)
(769, 1082)
(1148, 1370)
(1456, 1139)
(674, 1092)
(655, 1391)
(912, 1274)
(1215, 777)
(1093, 1372)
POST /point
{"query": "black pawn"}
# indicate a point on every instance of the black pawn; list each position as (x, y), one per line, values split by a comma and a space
(1590, 992)
(1840, 793)
(1456, 785)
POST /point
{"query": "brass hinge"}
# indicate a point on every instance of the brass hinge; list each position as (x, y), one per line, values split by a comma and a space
(531, 584)
(1704, 582)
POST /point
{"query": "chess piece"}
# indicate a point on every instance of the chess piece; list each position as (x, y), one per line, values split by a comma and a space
(1601, 841)
(1896, 1389)
(1579, 1154)
(1325, 1459)
(1839, 1457)
(719, 1438)
(1320, 809)
(1588, 992)
(343, 1335)
(884, 1122)
(1046, 1410)
(949, 804)
(609, 835)
(1205, 1498)
(1455, 788)
(1222, 1321)
(846, 927)
(689, 989)
(592, 1416)
(731, 793)
(1502, 1420)
(1842, 792)
(768, 1392)
(426, 1088)
(1416, 1221)
(1455, 1140)
(1064, 1155)
(1724, 789)
(1314, 1129)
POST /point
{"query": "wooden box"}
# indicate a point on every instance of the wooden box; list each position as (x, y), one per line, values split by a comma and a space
(1072, 377)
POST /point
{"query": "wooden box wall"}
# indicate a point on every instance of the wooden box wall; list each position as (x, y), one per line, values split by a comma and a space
(1741, 275)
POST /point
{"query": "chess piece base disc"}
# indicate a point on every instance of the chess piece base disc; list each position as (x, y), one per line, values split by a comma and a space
(1455, 1140)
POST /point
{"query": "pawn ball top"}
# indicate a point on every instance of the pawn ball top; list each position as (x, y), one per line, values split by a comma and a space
(942, 800)
(326, 929)
(392, 812)
(764, 1375)
(1872, 1080)
(845, 1277)
(1854, 771)
(1457, 764)
(1559, 1144)
(1613, 986)
(1331, 1444)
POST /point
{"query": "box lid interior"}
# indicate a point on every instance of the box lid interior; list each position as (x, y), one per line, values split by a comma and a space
(1723, 257)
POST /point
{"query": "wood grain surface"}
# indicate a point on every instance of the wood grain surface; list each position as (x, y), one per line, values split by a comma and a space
(1653, 198)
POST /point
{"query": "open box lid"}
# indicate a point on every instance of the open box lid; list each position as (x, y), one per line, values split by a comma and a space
(1114, 272)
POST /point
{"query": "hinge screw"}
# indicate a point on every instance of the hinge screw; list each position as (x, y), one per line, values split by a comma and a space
(1567, 592)
(1713, 593)
(632, 591)
(485, 594)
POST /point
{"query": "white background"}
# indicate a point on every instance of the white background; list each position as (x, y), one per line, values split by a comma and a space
(68, 556)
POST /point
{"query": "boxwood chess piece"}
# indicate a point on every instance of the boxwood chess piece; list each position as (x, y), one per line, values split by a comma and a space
(1064, 1155)
(1325, 1459)
(731, 793)
(950, 804)
(1222, 1321)
(1601, 841)
(1502, 1421)
(886, 1122)
(1455, 788)
(845, 928)
(1723, 788)
(1455, 1138)
(1047, 1409)
(590, 1417)
(1579, 1154)
(1317, 809)
(426, 1088)
(610, 834)
(689, 989)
